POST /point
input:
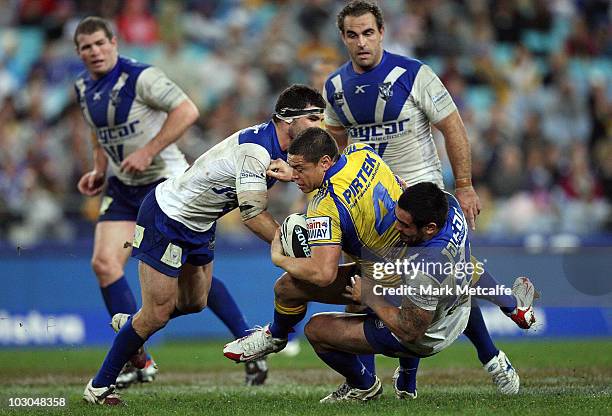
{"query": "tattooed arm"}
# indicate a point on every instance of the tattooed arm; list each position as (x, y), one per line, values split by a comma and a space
(408, 323)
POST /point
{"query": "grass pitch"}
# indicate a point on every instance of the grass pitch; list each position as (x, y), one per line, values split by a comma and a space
(557, 377)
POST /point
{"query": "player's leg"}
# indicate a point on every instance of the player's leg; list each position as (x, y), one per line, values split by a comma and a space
(292, 295)
(159, 296)
(338, 339)
(223, 305)
(494, 361)
(112, 248)
(290, 299)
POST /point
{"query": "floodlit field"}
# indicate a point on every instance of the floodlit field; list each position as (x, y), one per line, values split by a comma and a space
(557, 377)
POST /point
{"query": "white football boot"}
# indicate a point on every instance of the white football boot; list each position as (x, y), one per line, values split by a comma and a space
(503, 374)
(401, 394)
(348, 393)
(101, 395)
(254, 346)
(524, 292)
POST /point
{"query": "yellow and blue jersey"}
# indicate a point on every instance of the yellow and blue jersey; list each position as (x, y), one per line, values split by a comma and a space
(355, 205)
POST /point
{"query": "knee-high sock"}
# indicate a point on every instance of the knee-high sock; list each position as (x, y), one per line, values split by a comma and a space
(507, 303)
(350, 366)
(222, 304)
(118, 297)
(477, 332)
(407, 377)
(285, 318)
(369, 362)
(126, 343)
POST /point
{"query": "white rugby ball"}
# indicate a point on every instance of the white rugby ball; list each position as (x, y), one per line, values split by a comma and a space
(294, 236)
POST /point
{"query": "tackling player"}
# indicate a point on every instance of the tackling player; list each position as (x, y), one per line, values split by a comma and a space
(174, 236)
(136, 115)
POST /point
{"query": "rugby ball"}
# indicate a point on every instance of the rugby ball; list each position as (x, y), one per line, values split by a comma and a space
(294, 236)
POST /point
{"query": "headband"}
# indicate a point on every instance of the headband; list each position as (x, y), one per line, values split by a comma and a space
(287, 114)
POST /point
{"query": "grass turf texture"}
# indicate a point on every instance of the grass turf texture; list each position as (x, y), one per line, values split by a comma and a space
(557, 377)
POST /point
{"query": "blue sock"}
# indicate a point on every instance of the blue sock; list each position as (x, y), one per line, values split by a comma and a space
(119, 298)
(477, 332)
(368, 361)
(407, 377)
(125, 345)
(222, 304)
(285, 318)
(507, 303)
(350, 366)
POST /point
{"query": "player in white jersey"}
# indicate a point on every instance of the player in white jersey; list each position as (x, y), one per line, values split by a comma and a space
(390, 102)
(175, 231)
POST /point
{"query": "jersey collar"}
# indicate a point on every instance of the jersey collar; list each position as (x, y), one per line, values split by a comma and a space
(335, 168)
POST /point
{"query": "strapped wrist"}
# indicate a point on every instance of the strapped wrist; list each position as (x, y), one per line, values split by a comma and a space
(463, 183)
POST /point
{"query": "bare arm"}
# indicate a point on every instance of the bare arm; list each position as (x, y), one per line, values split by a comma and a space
(263, 225)
(459, 155)
(177, 122)
(92, 182)
(339, 134)
(409, 323)
(320, 269)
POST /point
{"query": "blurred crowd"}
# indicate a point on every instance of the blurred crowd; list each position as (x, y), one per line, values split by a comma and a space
(531, 79)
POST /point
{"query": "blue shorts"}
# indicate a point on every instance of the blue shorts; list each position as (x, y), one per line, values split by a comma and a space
(381, 339)
(121, 202)
(166, 244)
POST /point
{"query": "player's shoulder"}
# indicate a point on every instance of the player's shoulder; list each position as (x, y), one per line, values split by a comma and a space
(261, 138)
(411, 65)
(132, 65)
(357, 147)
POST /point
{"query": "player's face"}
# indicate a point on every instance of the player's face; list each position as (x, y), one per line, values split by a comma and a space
(363, 40)
(410, 234)
(98, 53)
(300, 124)
(307, 176)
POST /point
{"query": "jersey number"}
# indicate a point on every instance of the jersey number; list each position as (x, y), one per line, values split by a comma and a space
(380, 195)
(115, 153)
(380, 149)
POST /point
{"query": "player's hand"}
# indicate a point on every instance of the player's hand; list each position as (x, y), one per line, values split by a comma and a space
(137, 161)
(470, 204)
(91, 183)
(276, 249)
(353, 292)
(280, 170)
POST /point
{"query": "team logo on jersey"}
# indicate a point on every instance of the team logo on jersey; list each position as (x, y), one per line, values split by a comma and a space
(339, 98)
(97, 96)
(319, 228)
(360, 89)
(385, 91)
(114, 97)
(172, 256)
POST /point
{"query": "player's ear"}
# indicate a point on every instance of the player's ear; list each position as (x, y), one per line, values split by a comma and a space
(326, 162)
(431, 229)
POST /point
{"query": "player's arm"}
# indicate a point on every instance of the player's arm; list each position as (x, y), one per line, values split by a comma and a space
(459, 155)
(159, 92)
(333, 125)
(435, 101)
(92, 182)
(252, 205)
(409, 323)
(319, 269)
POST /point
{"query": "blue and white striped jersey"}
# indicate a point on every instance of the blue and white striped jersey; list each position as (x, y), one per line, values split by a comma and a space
(390, 108)
(126, 108)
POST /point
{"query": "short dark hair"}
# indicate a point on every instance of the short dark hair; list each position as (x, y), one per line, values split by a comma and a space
(312, 144)
(92, 24)
(358, 8)
(299, 96)
(426, 203)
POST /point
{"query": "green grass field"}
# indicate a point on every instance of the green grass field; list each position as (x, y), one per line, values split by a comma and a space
(557, 377)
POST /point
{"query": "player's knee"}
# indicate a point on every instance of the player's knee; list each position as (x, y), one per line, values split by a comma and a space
(283, 287)
(312, 330)
(105, 268)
